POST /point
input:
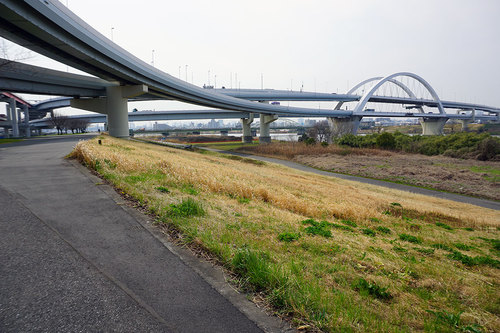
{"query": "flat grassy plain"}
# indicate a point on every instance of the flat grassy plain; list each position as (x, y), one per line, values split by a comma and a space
(330, 254)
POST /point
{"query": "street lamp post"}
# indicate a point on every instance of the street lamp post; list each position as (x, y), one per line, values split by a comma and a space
(153, 58)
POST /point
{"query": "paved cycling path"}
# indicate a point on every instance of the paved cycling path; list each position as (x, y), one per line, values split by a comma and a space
(73, 258)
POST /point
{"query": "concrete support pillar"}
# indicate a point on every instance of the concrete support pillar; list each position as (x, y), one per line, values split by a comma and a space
(27, 130)
(465, 122)
(343, 126)
(432, 126)
(117, 112)
(247, 130)
(114, 106)
(265, 122)
(13, 114)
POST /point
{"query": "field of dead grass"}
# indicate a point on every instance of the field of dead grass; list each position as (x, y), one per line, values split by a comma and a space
(463, 176)
(332, 254)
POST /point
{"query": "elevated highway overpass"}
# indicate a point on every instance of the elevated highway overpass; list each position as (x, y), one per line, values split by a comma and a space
(49, 28)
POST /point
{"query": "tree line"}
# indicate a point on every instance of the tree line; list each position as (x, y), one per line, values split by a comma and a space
(63, 124)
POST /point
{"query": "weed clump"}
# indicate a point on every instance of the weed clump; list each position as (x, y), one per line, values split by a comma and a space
(350, 223)
(472, 261)
(288, 237)
(368, 232)
(463, 247)
(384, 230)
(441, 246)
(162, 189)
(318, 228)
(425, 251)
(371, 288)
(410, 238)
(188, 207)
(444, 225)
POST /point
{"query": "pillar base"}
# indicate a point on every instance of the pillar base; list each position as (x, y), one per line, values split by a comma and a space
(433, 126)
(247, 139)
(343, 126)
(264, 139)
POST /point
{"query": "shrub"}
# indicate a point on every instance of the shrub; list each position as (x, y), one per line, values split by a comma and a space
(310, 141)
(386, 141)
(488, 149)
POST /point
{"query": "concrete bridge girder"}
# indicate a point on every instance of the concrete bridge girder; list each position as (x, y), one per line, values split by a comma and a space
(433, 126)
(247, 131)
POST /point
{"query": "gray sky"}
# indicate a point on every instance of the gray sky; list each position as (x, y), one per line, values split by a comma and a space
(326, 45)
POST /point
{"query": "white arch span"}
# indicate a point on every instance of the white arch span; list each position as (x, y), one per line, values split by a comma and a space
(396, 82)
(366, 97)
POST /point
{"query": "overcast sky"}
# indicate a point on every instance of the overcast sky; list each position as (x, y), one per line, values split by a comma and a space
(326, 45)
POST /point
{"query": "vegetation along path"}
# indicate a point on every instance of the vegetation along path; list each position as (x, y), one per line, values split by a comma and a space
(330, 253)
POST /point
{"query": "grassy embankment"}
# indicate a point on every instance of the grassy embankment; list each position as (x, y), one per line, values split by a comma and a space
(9, 140)
(468, 176)
(333, 254)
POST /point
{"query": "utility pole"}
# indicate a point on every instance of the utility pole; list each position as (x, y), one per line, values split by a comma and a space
(153, 58)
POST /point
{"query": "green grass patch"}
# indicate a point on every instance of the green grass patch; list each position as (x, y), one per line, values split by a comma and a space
(383, 230)
(2, 141)
(441, 246)
(288, 237)
(187, 207)
(162, 189)
(410, 238)
(318, 228)
(368, 232)
(472, 261)
(349, 223)
(371, 288)
(463, 247)
(444, 226)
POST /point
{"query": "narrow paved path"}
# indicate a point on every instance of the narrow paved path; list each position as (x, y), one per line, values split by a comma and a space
(413, 189)
(72, 259)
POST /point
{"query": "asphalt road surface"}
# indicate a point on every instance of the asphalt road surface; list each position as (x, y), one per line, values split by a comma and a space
(72, 259)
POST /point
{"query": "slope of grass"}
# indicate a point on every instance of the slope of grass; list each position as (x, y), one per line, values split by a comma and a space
(284, 233)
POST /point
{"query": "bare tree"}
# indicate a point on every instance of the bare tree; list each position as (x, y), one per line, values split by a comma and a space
(82, 125)
(321, 131)
(59, 121)
(10, 52)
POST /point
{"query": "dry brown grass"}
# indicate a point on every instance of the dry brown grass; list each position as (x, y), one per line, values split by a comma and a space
(247, 206)
(463, 176)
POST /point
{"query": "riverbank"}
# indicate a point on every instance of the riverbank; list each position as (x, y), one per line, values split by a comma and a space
(365, 258)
